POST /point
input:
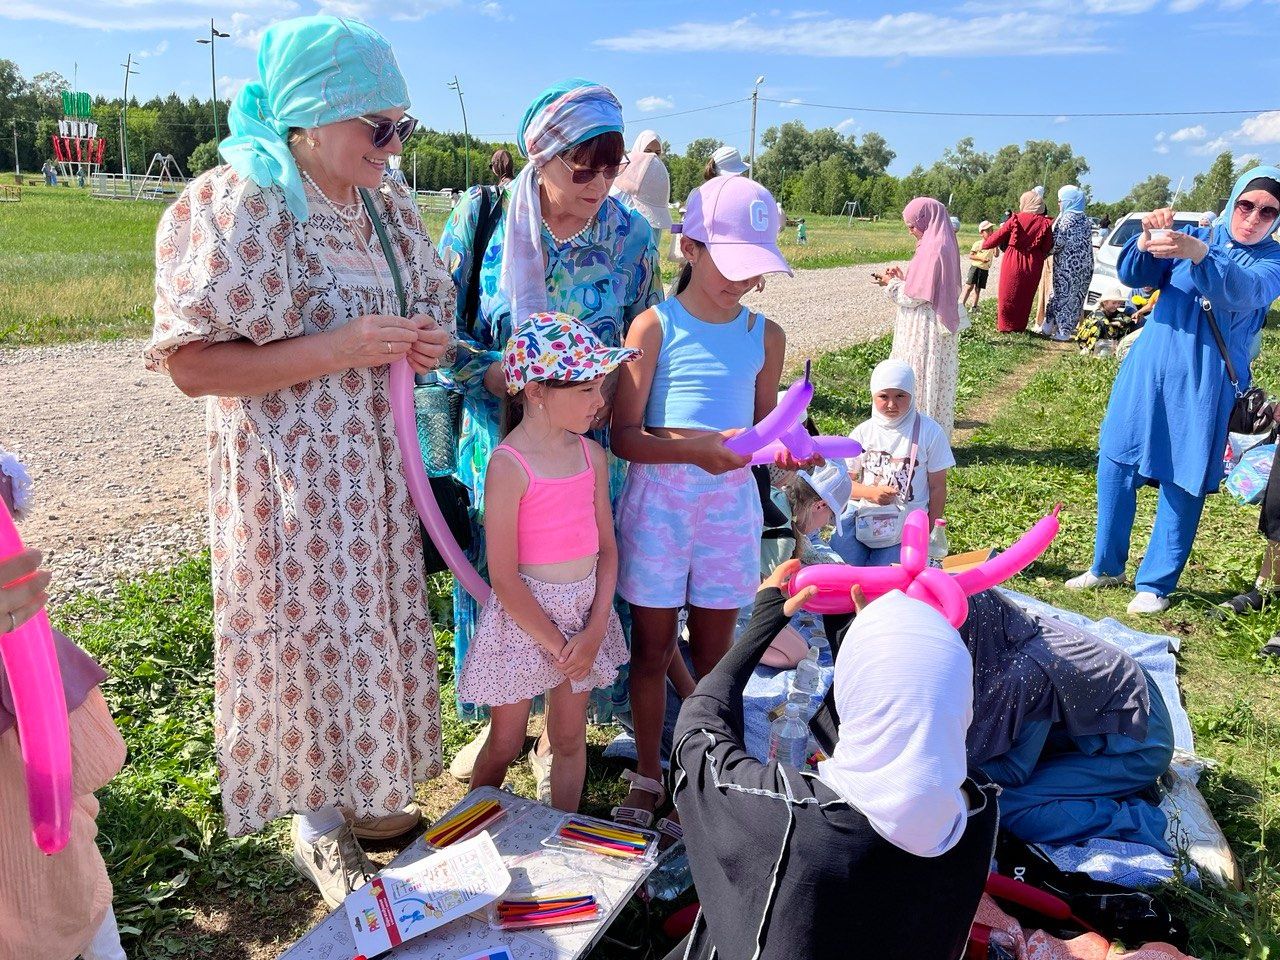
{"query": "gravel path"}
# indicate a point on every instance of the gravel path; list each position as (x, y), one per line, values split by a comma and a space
(118, 454)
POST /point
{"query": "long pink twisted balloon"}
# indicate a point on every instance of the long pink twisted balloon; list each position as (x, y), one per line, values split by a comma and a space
(946, 593)
(31, 665)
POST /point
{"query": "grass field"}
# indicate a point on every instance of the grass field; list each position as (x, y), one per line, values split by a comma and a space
(185, 890)
(75, 268)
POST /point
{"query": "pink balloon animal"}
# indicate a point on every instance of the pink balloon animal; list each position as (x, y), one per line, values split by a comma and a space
(946, 593)
(424, 499)
(31, 665)
(783, 430)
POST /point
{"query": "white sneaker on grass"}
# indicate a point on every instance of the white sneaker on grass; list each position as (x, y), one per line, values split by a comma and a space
(460, 766)
(1146, 602)
(334, 863)
(1192, 831)
(1093, 581)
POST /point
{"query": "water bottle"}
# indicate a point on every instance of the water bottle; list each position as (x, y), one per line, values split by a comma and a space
(789, 738)
(805, 685)
(671, 876)
(938, 548)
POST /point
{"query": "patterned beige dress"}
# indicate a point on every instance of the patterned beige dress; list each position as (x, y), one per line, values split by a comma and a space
(920, 339)
(326, 688)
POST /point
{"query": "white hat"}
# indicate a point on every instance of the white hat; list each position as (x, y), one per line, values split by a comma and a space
(647, 187)
(831, 482)
(984, 225)
(728, 160)
(1114, 292)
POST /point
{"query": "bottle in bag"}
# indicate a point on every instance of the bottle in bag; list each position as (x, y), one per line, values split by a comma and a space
(789, 738)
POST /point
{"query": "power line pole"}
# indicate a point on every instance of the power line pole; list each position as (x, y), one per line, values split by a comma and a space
(124, 118)
(466, 137)
(17, 168)
(214, 34)
(755, 96)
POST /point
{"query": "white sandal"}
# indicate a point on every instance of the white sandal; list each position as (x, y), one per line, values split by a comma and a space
(634, 816)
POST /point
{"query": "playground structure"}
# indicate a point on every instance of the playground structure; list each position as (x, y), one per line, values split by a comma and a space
(77, 148)
(163, 180)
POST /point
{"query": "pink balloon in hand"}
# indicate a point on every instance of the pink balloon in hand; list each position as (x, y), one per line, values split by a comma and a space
(40, 706)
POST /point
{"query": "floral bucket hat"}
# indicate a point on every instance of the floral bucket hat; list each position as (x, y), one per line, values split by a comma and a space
(555, 346)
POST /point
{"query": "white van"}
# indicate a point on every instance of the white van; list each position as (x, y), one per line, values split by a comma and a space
(1106, 255)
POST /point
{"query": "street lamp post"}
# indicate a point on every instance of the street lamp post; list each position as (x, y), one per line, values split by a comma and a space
(466, 137)
(214, 34)
(755, 96)
(124, 119)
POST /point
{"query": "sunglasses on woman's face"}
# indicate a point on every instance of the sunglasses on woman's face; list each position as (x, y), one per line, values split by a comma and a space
(584, 175)
(1247, 208)
(384, 128)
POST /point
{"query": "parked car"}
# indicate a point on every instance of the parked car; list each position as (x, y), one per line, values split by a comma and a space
(1108, 252)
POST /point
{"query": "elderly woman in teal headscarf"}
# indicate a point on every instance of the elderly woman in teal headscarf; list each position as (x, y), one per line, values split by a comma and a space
(1167, 418)
(1072, 265)
(559, 242)
(277, 300)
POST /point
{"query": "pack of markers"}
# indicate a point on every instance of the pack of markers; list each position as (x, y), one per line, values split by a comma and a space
(484, 814)
(603, 838)
(544, 909)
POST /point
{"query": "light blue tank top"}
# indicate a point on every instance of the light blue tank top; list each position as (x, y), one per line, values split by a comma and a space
(705, 378)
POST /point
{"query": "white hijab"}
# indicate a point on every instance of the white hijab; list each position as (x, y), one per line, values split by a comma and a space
(904, 695)
(893, 375)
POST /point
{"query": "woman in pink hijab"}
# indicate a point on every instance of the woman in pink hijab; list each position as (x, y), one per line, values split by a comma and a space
(928, 299)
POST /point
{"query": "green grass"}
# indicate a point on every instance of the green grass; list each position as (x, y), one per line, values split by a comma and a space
(74, 268)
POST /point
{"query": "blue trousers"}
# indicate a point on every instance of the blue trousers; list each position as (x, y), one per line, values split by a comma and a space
(1177, 518)
(1064, 789)
(852, 550)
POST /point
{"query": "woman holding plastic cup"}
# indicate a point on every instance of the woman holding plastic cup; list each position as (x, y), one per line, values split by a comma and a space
(1166, 422)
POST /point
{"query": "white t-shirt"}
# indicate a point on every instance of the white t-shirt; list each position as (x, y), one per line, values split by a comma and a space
(885, 455)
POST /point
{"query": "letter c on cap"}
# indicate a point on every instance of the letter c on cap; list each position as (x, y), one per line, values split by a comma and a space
(759, 216)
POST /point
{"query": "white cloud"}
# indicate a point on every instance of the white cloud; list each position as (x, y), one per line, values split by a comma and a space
(494, 11)
(160, 48)
(912, 34)
(1188, 133)
(1160, 136)
(791, 103)
(1264, 128)
(650, 104)
(1161, 148)
(846, 125)
(228, 87)
(1061, 119)
(1184, 6)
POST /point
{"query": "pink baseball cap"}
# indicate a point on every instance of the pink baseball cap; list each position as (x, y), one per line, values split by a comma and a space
(737, 220)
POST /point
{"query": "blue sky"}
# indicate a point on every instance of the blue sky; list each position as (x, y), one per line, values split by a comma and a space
(667, 56)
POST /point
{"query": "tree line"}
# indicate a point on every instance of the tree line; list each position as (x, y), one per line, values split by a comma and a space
(809, 171)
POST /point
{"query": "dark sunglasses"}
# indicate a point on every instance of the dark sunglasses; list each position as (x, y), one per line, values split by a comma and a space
(384, 128)
(584, 175)
(1265, 214)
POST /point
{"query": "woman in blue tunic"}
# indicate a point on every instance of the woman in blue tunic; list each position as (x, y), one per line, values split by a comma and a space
(1167, 419)
(1072, 265)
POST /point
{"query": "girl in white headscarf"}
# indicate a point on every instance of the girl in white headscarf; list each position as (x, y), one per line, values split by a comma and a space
(789, 864)
(903, 466)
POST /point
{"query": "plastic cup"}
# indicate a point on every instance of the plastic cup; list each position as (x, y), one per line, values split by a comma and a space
(1158, 234)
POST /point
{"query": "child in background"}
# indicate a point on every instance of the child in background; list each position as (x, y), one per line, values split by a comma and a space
(980, 261)
(549, 625)
(55, 907)
(689, 520)
(802, 234)
(903, 467)
(1107, 324)
(817, 499)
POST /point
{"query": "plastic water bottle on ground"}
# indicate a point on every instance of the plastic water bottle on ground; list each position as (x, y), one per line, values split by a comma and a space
(670, 877)
(789, 738)
(805, 685)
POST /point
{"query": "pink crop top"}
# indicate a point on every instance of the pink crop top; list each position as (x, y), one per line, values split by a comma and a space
(557, 519)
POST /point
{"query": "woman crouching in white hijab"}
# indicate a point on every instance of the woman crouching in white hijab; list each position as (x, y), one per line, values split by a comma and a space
(886, 848)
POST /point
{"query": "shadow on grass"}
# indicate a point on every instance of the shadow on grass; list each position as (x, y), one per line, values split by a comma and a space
(1071, 457)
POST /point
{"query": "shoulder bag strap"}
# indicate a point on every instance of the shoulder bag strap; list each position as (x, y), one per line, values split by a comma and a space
(486, 223)
(1222, 346)
(914, 456)
(387, 252)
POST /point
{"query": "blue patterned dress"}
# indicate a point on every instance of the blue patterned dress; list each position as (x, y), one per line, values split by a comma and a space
(605, 278)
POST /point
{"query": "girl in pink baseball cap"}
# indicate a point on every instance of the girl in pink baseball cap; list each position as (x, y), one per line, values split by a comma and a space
(689, 519)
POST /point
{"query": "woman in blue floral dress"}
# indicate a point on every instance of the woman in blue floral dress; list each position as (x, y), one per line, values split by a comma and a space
(601, 266)
(1072, 265)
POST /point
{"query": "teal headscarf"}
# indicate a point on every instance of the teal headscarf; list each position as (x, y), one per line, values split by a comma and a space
(313, 70)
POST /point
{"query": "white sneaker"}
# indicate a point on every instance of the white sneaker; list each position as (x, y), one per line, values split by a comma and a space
(1193, 832)
(334, 863)
(1146, 602)
(1093, 581)
(461, 765)
(541, 767)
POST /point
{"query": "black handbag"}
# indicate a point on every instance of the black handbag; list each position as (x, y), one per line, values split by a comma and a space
(1253, 411)
(451, 496)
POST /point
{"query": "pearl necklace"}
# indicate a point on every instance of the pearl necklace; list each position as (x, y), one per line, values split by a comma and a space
(349, 213)
(560, 242)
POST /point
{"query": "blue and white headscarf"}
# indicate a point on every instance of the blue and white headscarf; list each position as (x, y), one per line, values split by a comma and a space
(312, 71)
(1071, 198)
(1224, 218)
(562, 116)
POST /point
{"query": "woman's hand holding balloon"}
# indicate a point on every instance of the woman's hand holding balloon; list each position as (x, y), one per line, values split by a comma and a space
(372, 340)
(434, 342)
(23, 588)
